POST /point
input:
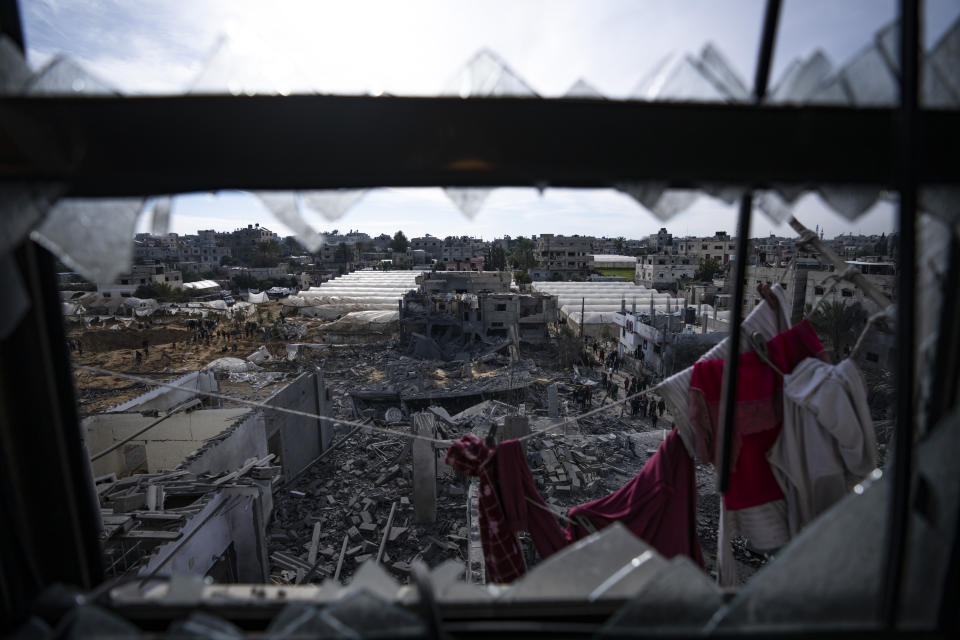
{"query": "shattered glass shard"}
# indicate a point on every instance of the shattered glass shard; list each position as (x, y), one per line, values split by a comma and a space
(160, 219)
(679, 596)
(662, 202)
(678, 79)
(871, 80)
(943, 57)
(716, 67)
(801, 79)
(299, 620)
(468, 200)
(487, 75)
(600, 563)
(332, 204)
(849, 201)
(583, 89)
(63, 76)
(364, 613)
(22, 207)
(239, 71)
(92, 236)
(372, 577)
(774, 205)
(283, 205)
(14, 72)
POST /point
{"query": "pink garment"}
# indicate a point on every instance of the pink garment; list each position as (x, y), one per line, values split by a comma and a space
(758, 415)
(659, 505)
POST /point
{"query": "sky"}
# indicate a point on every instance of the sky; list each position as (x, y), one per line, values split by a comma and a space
(418, 48)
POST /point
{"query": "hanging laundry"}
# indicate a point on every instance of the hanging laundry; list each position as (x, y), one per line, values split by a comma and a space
(827, 443)
(503, 472)
(765, 319)
(757, 417)
(659, 504)
(516, 486)
(754, 504)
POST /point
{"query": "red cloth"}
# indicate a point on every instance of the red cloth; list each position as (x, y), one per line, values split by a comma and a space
(516, 485)
(505, 485)
(659, 504)
(501, 550)
(758, 415)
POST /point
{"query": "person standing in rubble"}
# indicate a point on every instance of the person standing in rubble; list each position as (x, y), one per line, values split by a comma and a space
(643, 407)
(139, 357)
(146, 348)
(634, 406)
(662, 407)
(652, 410)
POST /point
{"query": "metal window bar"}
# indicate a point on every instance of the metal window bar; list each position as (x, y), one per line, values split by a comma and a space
(729, 388)
(898, 512)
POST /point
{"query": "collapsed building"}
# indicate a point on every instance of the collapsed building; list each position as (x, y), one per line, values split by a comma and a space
(455, 314)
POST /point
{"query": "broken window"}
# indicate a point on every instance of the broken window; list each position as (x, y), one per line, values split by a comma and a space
(626, 566)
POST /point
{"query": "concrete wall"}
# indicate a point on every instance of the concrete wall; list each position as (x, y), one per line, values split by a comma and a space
(164, 398)
(233, 516)
(245, 439)
(161, 448)
(299, 436)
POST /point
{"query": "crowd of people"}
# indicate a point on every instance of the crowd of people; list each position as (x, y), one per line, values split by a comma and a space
(644, 406)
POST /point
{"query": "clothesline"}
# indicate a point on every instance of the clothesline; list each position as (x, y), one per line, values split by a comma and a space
(307, 414)
(260, 405)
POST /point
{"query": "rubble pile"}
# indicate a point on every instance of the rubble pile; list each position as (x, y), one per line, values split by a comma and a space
(339, 510)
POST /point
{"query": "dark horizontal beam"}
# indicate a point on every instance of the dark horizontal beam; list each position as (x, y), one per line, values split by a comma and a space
(151, 145)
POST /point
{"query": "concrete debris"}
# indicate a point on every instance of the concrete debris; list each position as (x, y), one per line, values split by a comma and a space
(367, 494)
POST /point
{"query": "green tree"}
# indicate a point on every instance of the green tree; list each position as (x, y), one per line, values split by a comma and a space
(162, 292)
(620, 245)
(522, 277)
(496, 258)
(245, 281)
(267, 254)
(399, 244)
(708, 269)
(840, 322)
(522, 256)
(291, 245)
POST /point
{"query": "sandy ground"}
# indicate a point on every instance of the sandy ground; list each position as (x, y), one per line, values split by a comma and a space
(168, 354)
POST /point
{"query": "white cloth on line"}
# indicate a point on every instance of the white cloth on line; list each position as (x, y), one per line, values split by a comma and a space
(827, 443)
(765, 525)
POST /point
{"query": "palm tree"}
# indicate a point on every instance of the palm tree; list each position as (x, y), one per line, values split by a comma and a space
(840, 323)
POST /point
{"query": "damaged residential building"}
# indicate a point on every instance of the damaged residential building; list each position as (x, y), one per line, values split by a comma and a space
(186, 484)
(457, 311)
